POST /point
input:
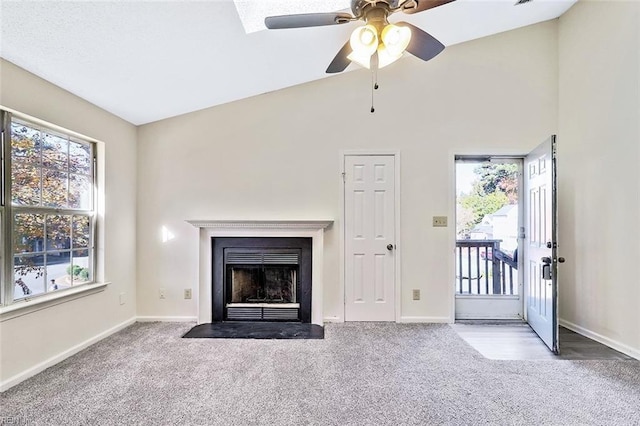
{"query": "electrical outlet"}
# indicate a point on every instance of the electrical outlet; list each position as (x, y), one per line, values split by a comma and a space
(161, 293)
(187, 293)
(122, 298)
(416, 294)
(440, 221)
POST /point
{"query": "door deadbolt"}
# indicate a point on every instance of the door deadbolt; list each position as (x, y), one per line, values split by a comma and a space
(389, 247)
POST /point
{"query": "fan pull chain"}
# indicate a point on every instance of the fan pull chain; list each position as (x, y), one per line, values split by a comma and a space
(374, 65)
(374, 86)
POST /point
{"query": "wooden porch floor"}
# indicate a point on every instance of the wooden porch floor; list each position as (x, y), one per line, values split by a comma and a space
(515, 340)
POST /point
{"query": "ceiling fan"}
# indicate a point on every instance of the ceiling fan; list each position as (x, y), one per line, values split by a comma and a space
(377, 43)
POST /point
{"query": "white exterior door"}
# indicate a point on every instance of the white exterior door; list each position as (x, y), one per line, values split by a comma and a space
(540, 262)
(369, 224)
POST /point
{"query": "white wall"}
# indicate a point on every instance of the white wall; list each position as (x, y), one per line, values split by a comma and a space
(599, 173)
(29, 340)
(276, 156)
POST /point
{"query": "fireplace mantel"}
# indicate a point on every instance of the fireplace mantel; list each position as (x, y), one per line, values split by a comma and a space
(258, 228)
(262, 224)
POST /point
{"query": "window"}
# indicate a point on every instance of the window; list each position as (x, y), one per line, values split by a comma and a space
(48, 203)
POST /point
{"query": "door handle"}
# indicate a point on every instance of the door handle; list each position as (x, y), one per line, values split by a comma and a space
(389, 247)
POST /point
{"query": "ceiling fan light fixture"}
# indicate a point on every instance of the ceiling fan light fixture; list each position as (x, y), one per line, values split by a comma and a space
(396, 38)
(387, 56)
(376, 43)
(364, 40)
(362, 59)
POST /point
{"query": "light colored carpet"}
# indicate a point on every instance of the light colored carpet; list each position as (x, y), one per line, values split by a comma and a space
(360, 374)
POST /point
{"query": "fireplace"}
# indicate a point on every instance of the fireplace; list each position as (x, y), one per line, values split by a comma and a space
(209, 229)
(261, 279)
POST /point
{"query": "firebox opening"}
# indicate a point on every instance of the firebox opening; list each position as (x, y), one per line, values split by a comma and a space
(262, 284)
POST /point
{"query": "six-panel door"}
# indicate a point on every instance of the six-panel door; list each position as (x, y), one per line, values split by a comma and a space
(369, 238)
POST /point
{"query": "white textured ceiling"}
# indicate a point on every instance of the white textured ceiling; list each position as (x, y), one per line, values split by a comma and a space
(148, 60)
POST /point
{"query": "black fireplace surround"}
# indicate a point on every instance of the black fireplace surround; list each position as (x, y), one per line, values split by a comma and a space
(261, 279)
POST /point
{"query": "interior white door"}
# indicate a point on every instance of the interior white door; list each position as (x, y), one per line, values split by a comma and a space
(369, 224)
(541, 262)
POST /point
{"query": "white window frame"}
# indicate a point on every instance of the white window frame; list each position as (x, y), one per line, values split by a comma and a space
(7, 211)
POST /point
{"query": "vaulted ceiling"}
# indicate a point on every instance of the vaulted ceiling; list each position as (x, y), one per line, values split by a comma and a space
(146, 60)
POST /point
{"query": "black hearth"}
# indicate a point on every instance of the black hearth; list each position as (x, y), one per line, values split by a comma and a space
(261, 279)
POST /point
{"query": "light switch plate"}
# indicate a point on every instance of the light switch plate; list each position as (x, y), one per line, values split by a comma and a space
(416, 294)
(440, 221)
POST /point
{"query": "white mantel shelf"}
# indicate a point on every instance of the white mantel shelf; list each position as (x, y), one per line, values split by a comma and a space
(262, 224)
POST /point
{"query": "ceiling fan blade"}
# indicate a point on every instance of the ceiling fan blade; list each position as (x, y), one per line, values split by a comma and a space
(306, 20)
(422, 44)
(340, 62)
(422, 5)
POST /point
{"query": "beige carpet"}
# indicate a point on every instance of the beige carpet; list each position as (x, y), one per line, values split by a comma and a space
(360, 374)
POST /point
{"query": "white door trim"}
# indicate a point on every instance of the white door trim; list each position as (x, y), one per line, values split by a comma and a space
(452, 213)
(398, 243)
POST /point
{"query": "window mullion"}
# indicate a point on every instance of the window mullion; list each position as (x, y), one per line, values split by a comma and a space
(41, 169)
(45, 243)
(45, 210)
(68, 170)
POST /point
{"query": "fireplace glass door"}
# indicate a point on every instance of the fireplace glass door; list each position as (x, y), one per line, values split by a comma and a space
(262, 283)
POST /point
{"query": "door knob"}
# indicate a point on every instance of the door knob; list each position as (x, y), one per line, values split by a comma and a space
(561, 260)
(389, 247)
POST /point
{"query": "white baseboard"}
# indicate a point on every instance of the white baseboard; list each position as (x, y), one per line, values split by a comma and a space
(401, 320)
(621, 347)
(440, 320)
(167, 319)
(20, 377)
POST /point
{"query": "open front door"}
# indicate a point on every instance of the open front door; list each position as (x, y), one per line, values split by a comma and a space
(541, 261)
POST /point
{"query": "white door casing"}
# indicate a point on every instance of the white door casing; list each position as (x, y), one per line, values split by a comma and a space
(540, 261)
(494, 306)
(369, 232)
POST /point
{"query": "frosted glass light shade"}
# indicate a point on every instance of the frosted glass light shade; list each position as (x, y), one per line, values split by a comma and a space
(391, 45)
(386, 56)
(396, 39)
(364, 40)
(362, 59)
